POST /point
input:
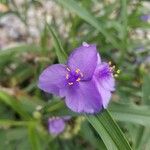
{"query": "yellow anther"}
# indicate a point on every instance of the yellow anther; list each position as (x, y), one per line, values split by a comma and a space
(77, 70)
(67, 76)
(70, 83)
(68, 69)
(78, 79)
(118, 71)
(109, 62)
(116, 75)
(113, 67)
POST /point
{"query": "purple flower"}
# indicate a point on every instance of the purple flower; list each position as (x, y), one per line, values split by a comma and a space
(145, 17)
(85, 82)
(104, 80)
(56, 125)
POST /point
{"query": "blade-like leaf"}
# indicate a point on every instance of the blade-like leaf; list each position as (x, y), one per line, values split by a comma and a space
(58, 47)
(18, 49)
(88, 134)
(34, 138)
(88, 17)
(4, 123)
(14, 104)
(131, 113)
(144, 132)
(110, 133)
(146, 89)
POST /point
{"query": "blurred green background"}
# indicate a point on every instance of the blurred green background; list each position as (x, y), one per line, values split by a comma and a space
(28, 45)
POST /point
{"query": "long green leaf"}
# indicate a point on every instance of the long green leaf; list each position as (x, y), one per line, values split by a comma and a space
(146, 89)
(144, 132)
(58, 47)
(34, 138)
(88, 17)
(4, 123)
(88, 134)
(108, 130)
(131, 113)
(14, 104)
(18, 49)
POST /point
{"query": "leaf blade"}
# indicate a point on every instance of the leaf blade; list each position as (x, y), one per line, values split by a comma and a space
(109, 131)
(88, 17)
(57, 44)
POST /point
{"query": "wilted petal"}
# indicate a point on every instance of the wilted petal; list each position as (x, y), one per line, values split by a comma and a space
(84, 99)
(53, 78)
(84, 58)
(56, 126)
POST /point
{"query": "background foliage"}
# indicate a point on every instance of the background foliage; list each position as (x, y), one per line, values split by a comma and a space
(35, 34)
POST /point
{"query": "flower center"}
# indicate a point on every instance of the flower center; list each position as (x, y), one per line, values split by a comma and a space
(108, 70)
(73, 76)
(105, 72)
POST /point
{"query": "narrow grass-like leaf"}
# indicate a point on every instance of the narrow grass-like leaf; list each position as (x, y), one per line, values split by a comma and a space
(4, 123)
(124, 22)
(14, 104)
(34, 138)
(109, 131)
(131, 113)
(88, 134)
(18, 49)
(144, 132)
(146, 89)
(88, 17)
(58, 47)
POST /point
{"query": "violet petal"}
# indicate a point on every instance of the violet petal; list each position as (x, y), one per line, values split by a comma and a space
(53, 78)
(56, 126)
(84, 99)
(84, 58)
(105, 77)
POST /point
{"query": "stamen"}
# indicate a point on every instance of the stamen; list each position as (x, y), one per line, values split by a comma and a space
(113, 67)
(113, 70)
(68, 69)
(116, 75)
(77, 71)
(67, 76)
(85, 44)
(78, 79)
(118, 71)
(70, 83)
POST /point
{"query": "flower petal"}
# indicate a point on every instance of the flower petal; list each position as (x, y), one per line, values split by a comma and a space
(84, 99)
(109, 83)
(53, 78)
(85, 59)
(105, 94)
(104, 76)
(56, 126)
(98, 59)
